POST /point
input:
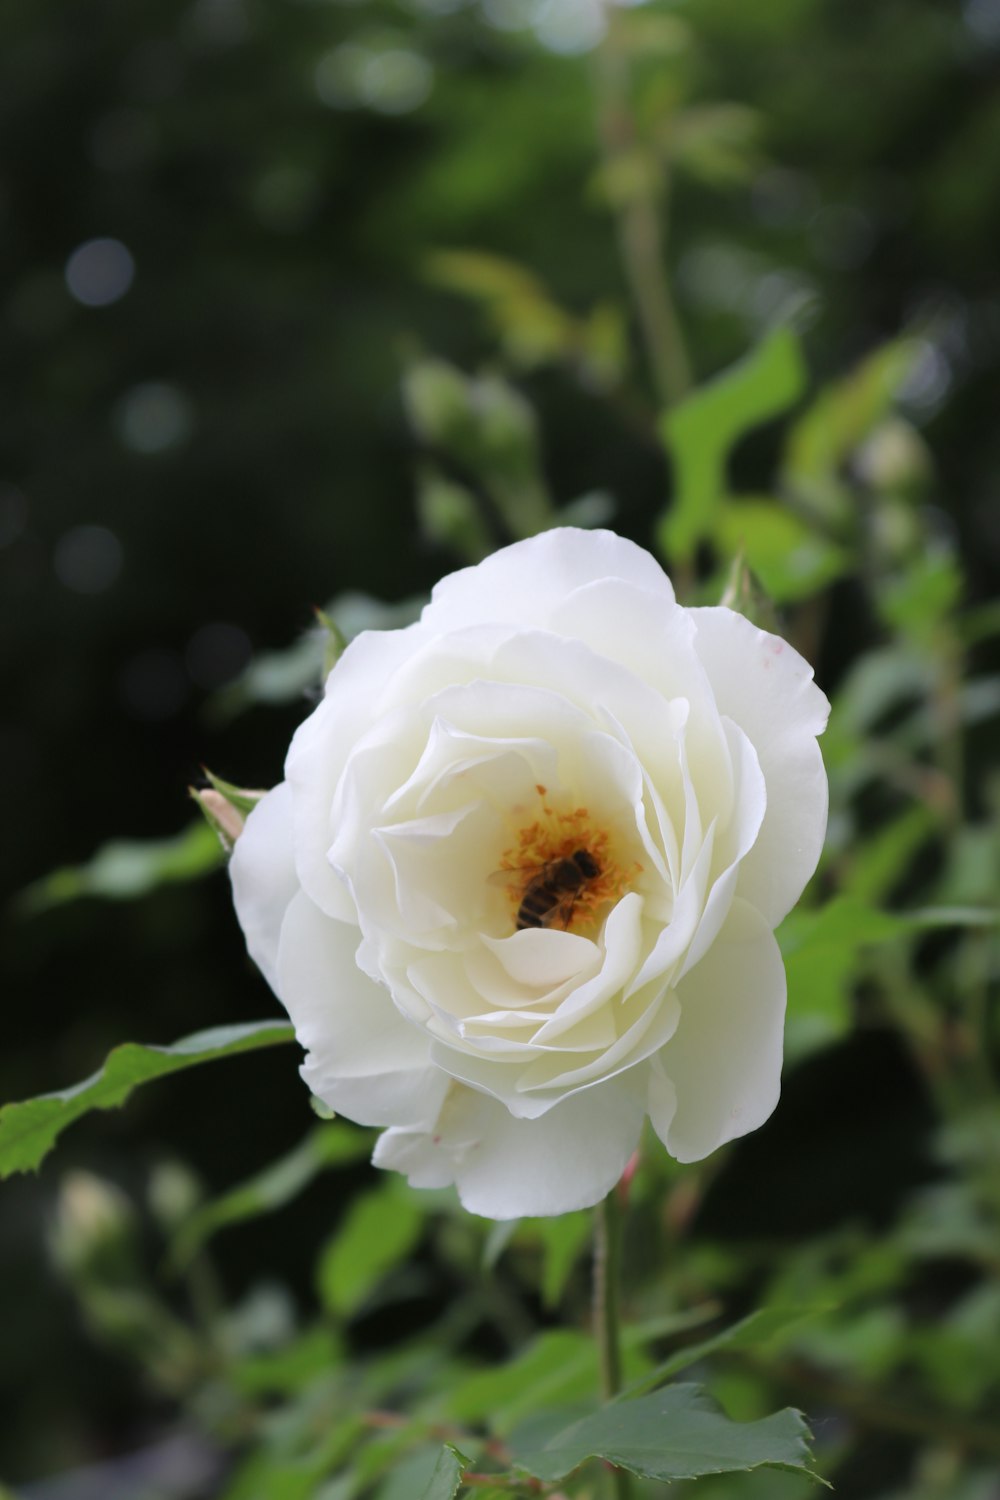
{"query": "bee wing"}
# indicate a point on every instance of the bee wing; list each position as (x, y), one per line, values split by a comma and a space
(562, 912)
(523, 875)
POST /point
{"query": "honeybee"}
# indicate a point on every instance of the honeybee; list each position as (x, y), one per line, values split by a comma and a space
(552, 892)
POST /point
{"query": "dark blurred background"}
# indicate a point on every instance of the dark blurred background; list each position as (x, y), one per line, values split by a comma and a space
(216, 225)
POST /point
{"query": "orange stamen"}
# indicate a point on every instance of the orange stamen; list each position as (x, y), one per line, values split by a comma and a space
(558, 835)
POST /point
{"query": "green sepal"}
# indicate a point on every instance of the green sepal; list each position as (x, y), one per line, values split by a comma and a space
(334, 641)
(244, 799)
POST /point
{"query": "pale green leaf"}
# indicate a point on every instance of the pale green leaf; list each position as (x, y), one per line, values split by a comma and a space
(752, 1332)
(701, 431)
(271, 1189)
(840, 419)
(409, 1476)
(446, 1480)
(276, 677)
(334, 641)
(380, 1230)
(564, 1238)
(28, 1130)
(126, 869)
(791, 559)
(559, 1366)
(822, 950)
(676, 1433)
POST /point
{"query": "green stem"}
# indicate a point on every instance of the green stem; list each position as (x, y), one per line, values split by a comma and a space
(607, 1263)
(641, 215)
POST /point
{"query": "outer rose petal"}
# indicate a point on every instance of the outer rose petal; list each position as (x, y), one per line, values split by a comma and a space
(364, 1058)
(724, 1060)
(322, 745)
(262, 871)
(525, 583)
(766, 687)
(506, 1168)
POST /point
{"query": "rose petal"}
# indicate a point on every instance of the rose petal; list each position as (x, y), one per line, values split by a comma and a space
(349, 1025)
(766, 687)
(724, 1060)
(322, 744)
(525, 583)
(262, 871)
(506, 1168)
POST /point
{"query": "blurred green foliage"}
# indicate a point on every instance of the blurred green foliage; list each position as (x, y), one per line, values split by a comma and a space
(389, 282)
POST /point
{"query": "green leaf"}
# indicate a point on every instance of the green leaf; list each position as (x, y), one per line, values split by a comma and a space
(451, 516)
(878, 862)
(276, 677)
(559, 1366)
(749, 1333)
(821, 951)
(380, 1230)
(717, 143)
(28, 1130)
(676, 1433)
(700, 432)
(289, 1368)
(408, 1477)
(839, 421)
(446, 1480)
(276, 1185)
(916, 602)
(125, 870)
(789, 557)
(564, 1238)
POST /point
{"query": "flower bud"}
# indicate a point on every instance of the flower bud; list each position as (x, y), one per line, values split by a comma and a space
(220, 815)
(94, 1224)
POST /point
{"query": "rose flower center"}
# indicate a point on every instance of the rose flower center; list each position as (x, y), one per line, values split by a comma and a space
(561, 870)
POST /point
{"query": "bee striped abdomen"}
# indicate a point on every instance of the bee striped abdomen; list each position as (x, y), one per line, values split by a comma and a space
(551, 894)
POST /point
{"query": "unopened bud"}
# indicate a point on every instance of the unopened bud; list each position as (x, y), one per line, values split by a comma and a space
(220, 815)
(225, 806)
(894, 457)
(94, 1220)
(174, 1194)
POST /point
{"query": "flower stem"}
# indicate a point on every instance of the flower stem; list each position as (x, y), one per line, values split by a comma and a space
(640, 215)
(607, 1261)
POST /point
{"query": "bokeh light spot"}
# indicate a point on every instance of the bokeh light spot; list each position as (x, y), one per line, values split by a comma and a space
(153, 417)
(99, 272)
(88, 559)
(397, 81)
(928, 381)
(570, 26)
(509, 15)
(392, 81)
(982, 19)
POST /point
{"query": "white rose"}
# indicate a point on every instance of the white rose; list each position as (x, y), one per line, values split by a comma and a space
(518, 889)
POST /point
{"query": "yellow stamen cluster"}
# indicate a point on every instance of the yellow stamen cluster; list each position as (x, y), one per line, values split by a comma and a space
(557, 835)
